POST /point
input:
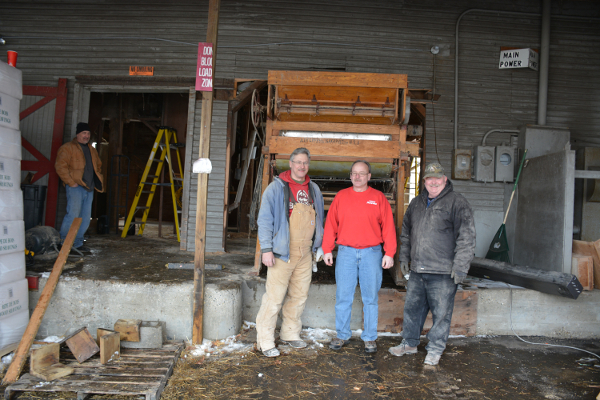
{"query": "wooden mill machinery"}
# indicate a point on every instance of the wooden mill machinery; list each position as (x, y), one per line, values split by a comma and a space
(342, 117)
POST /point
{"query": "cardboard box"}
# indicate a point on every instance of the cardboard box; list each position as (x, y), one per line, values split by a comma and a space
(10, 143)
(11, 81)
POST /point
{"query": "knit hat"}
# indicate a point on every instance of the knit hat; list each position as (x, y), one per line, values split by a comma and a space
(433, 170)
(82, 126)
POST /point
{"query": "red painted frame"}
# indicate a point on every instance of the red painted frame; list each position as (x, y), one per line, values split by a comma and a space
(44, 166)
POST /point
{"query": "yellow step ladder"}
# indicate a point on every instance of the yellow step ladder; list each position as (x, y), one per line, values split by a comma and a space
(166, 140)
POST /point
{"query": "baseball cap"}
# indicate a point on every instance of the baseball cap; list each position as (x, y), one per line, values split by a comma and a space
(433, 170)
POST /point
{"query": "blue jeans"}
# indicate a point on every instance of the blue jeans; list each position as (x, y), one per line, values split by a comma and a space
(364, 266)
(79, 205)
(426, 292)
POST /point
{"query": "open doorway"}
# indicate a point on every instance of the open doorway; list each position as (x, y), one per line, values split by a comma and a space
(124, 128)
(244, 172)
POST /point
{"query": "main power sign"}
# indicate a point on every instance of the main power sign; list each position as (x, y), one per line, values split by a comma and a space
(519, 58)
(204, 70)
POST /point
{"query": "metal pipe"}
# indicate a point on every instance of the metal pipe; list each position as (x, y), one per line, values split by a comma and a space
(488, 133)
(544, 67)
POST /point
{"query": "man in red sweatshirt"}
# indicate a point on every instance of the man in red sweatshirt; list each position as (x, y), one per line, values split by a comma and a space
(360, 219)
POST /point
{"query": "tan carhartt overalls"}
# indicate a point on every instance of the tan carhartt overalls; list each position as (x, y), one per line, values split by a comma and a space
(292, 277)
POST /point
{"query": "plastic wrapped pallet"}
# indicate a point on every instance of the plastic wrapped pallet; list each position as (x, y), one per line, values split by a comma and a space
(10, 174)
(12, 267)
(11, 205)
(12, 237)
(13, 327)
(11, 81)
(10, 143)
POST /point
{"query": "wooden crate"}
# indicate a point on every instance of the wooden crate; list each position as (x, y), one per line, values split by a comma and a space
(138, 372)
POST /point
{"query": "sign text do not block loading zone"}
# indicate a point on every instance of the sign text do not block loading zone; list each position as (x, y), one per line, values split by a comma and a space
(204, 70)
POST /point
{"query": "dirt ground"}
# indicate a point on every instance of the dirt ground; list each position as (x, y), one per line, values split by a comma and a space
(471, 368)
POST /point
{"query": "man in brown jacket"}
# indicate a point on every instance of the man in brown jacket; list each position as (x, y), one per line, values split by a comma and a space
(79, 167)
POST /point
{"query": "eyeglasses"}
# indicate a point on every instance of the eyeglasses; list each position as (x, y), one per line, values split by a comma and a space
(361, 174)
(304, 163)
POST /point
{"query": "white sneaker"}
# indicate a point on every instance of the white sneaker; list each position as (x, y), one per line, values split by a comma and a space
(271, 352)
(432, 359)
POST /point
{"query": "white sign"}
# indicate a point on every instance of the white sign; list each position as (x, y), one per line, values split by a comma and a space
(519, 58)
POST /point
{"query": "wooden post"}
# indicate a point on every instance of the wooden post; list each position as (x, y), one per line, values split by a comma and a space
(200, 236)
(40, 309)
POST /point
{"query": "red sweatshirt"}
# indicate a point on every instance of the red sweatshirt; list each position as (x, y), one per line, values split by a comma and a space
(360, 220)
(300, 191)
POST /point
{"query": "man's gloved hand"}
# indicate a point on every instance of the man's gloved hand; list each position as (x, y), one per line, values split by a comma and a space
(458, 276)
(404, 268)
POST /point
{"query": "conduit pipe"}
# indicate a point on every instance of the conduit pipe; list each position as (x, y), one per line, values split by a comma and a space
(544, 64)
(488, 133)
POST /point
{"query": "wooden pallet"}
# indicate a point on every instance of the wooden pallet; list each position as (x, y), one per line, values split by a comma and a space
(138, 372)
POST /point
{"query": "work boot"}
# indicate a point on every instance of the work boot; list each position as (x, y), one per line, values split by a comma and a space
(297, 344)
(402, 349)
(84, 249)
(337, 344)
(271, 352)
(432, 359)
(370, 346)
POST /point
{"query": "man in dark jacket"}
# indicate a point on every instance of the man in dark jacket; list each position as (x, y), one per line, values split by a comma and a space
(80, 169)
(438, 239)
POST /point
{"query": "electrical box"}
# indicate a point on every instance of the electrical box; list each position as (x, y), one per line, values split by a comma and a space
(485, 157)
(461, 166)
(505, 164)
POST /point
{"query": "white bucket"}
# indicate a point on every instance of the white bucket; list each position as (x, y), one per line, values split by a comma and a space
(11, 81)
(11, 205)
(12, 267)
(9, 111)
(12, 237)
(13, 328)
(10, 174)
(10, 143)
(14, 298)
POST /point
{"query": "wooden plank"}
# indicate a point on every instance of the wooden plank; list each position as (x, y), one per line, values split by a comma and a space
(52, 372)
(266, 179)
(8, 349)
(40, 309)
(339, 159)
(323, 78)
(101, 332)
(110, 347)
(583, 268)
(335, 127)
(82, 345)
(44, 364)
(202, 193)
(340, 95)
(129, 329)
(591, 249)
(335, 147)
(464, 316)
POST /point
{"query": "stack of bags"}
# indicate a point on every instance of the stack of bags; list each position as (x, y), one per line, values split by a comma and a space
(14, 293)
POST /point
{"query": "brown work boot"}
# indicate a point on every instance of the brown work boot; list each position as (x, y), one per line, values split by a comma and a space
(337, 344)
(402, 349)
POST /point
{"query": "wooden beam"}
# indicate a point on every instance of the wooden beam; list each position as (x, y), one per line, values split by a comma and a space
(40, 309)
(321, 78)
(202, 194)
(342, 147)
(243, 98)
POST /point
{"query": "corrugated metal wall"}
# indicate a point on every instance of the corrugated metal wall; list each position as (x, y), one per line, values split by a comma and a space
(351, 35)
(37, 130)
(216, 179)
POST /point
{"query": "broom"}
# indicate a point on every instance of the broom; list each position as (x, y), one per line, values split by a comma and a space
(499, 247)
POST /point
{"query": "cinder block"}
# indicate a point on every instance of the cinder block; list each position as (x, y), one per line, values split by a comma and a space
(152, 336)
